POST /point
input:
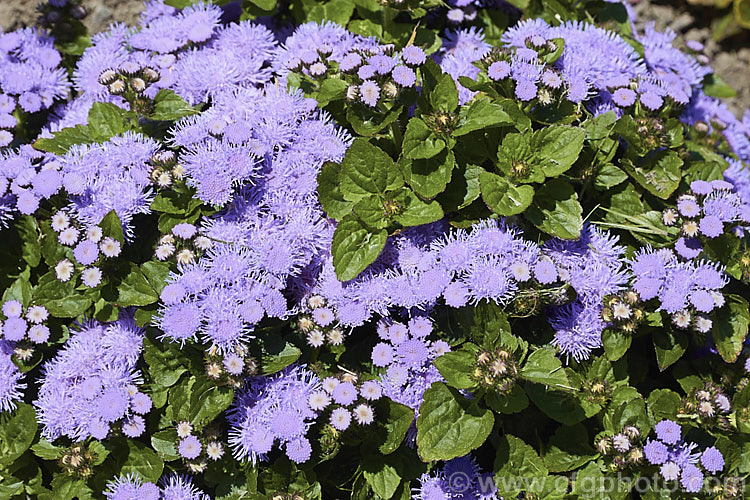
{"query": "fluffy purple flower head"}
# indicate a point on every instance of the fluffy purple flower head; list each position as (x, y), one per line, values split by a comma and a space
(712, 460)
(668, 431)
(266, 404)
(69, 402)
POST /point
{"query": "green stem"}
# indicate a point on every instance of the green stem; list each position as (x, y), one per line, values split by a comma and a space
(398, 138)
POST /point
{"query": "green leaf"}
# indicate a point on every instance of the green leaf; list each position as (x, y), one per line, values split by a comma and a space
(112, 227)
(730, 327)
(46, 450)
(557, 147)
(558, 405)
(156, 274)
(17, 431)
(516, 161)
(444, 97)
(354, 247)
(371, 212)
(367, 170)
(569, 449)
(420, 142)
(329, 192)
(616, 343)
(63, 140)
(164, 363)
(60, 299)
(543, 367)
(714, 86)
(31, 247)
(106, 120)
(556, 210)
(515, 459)
(274, 360)
(265, 4)
(168, 106)
(165, 444)
(331, 89)
(480, 114)
(208, 401)
(609, 176)
(663, 403)
(381, 476)
(141, 460)
(670, 345)
(367, 121)
(456, 367)
(449, 425)
(415, 212)
(135, 290)
(428, 177)
(20, 290)
(66, 488)
(513, 402)
(397, 420)
(338, 11)
(502, 197)
(659, 174)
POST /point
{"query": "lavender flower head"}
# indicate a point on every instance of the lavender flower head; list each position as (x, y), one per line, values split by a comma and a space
(92, 382)
(407, 355)
(110, 176)
(458, 478)
(593, 266)
(11, 386)
(274, 409)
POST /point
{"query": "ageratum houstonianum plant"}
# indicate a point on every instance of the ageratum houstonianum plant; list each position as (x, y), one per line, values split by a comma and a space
(370, 249)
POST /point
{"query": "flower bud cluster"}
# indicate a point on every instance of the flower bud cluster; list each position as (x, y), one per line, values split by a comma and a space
(230, 366)
(196, 448)
(184, 242)
(17, 326)
(623, 311)
(78, 461)
(319, 323)
(622, 450)
(166, 169)
(89, 249)
(496, 370)
(708, 405)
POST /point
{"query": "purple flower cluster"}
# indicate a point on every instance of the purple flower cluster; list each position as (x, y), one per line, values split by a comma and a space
(251, 133)
(460, 50)
(346, 400)
(314, 45)
(687, 291)
(11, 386)
(601, 68)
(714, 116)
(18, 325)
(271, 409)
(488, 262)
(705, 211)
(407, 354)
(271, 231)
(26, 177)
(30, 79)
(593, 266)
(174, 487)
(114, 175)
(678, 459)
(91, 384)
(458, 478)
(88, 245)
(373, 73)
